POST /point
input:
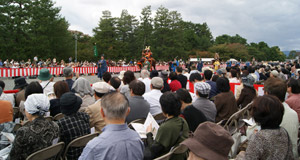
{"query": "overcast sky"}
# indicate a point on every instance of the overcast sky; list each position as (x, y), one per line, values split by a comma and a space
(277, 22)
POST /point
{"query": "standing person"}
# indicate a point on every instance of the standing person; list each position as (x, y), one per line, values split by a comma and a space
(74, 124)
(200, 65)
(102, 67)
(35, 60)
(116, 141)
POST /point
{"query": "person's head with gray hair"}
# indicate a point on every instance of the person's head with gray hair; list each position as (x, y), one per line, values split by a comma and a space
(68, 72)
(114, 108)
(145, 73)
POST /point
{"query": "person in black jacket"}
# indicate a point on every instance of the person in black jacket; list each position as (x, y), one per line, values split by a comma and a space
(193, 116)
(180, 77)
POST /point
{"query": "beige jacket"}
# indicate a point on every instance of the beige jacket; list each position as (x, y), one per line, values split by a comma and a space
(96, 120)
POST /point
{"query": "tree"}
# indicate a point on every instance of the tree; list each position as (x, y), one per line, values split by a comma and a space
(230, 39)
(106, 36)
(126, 25)
(292, 54)
(30, 28)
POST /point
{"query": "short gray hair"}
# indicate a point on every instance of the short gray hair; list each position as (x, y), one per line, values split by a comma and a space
(145, 73)
(67, 71)
(115, 105)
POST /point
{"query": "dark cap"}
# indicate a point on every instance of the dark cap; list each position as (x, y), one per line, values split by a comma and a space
(20, 83)
(69, 103)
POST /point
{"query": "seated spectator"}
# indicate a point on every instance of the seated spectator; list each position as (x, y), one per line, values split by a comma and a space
(6, 114)
(274, 74)
(38, 133)
(116, 141)
(239, 88)
(153, 73)
(233, 76)
(128, 77)
(180, 77)
(6, 97)
(210, 142)
(202, 102)
(192, 115)
(6, 122)
(139, 107)
(60, 88)
(106, 76)
(115, 82)
(33, 87)
(294, 95)
(154, 95)
(213, 86)
(145, 79)
(83, 89)
(164, 76)
(215, 78)
(175, 84)
(221, 73)
(272, 141)
(276, 87)
(170, 133)
(68, 74)
(46, 81)
(248, 92)
(20, 85)
(225, 101)
(195, 77)
(96, 120)
(74, 124)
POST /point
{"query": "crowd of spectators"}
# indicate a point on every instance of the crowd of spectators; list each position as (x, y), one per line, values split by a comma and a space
(193, 117)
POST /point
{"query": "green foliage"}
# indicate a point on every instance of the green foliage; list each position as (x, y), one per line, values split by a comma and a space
(31, 28)
(292, 54)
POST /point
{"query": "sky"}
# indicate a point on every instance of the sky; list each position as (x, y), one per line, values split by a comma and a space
(276, 22)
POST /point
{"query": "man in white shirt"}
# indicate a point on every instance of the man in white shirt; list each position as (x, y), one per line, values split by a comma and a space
(46, 81)
(154, 95)
(276, 87)
(145, 79)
